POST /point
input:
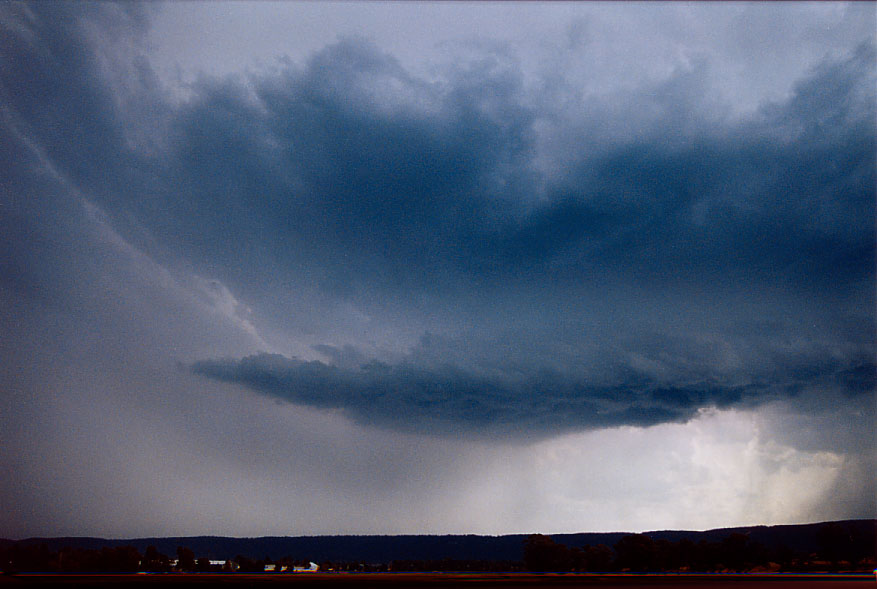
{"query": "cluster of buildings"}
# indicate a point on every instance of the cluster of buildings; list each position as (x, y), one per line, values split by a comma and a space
(230, 566)
(311, 568)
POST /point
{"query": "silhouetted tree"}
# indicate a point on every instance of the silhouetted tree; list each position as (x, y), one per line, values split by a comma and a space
(154, 561)
(541, 553)
(247, 565)
(666, 556)
(27, 557)
(635, 552)
(734, 552)
(599, 558)
(835, 543)
(186, 558)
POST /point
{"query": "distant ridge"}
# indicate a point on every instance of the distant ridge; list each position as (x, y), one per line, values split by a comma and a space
(386, 548)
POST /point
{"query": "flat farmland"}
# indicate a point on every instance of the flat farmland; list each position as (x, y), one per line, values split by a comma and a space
(438, 580)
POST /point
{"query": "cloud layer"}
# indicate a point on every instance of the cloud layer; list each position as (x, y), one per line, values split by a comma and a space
(235, 280)
(449, 400)
(640, 256)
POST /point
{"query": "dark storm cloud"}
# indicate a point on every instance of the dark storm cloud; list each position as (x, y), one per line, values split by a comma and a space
(374, 181)
(387, 181)
(405, 198)
(334, 176)
(446, 399)
(350, 179)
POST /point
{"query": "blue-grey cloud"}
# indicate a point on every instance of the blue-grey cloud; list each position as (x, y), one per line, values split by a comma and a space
(591, 261)
(398, 201)
(370, 195)
(445, 399)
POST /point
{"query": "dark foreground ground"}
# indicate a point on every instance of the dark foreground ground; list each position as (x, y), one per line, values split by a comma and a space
(439, 580)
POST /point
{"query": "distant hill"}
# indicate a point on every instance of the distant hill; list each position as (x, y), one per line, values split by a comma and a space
(798, 537)
(383, 549)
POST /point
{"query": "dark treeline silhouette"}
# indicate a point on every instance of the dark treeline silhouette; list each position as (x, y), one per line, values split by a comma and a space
(839, 547)
(831, 546)
(38, 557)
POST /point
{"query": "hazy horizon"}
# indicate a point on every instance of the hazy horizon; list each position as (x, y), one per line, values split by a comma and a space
(299, 268)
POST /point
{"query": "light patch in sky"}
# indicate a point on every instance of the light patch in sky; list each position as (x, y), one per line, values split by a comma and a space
(665, 476)
(756, 51)
(298, 471)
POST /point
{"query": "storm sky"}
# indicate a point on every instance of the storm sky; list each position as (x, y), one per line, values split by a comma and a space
(311, 268)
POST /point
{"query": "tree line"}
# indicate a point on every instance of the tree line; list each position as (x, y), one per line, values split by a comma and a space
(838, 547)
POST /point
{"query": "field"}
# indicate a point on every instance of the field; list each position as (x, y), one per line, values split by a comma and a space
(439, 580)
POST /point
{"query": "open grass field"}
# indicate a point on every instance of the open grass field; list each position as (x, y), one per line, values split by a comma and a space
(438, 580)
